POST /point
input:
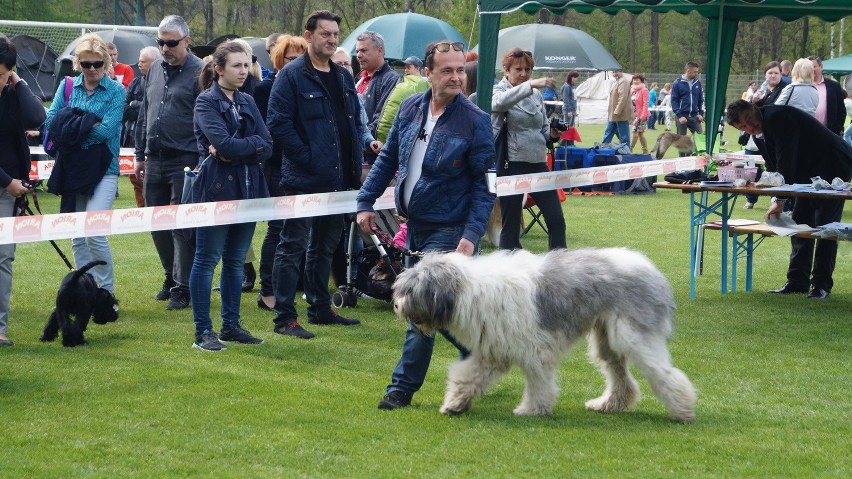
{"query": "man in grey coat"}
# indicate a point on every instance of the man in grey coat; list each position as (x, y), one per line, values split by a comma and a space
(165, 145)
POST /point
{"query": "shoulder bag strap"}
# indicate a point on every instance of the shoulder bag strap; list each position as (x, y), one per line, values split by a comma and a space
(792, 87)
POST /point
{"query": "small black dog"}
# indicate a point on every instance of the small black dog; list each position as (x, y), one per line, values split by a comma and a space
(80, 297)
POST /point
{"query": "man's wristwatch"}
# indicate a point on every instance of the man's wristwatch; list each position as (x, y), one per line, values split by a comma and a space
(776, 199)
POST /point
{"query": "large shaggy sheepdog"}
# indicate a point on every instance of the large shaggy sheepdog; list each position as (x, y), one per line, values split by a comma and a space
(527, 310)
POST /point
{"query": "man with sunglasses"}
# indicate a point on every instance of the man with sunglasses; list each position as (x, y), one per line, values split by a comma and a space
(165, 145)
(442, 145)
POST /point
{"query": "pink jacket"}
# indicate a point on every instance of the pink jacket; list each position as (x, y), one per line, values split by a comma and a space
(641, 103)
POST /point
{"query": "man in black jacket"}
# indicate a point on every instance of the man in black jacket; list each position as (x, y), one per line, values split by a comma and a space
(314, 114)
(799, 147)
(165, 144)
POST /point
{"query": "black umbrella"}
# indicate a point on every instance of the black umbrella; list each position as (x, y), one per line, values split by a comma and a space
(36, 63)
(556, 48)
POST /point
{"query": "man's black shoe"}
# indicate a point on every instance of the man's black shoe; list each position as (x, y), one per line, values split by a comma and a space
(178, 299)
(165, 292)
(334, 318)
(788, 289)
(818, 293)
(293, 328)
(395, 400)
(239, 335)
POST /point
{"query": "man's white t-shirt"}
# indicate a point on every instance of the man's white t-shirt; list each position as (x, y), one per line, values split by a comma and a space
(415, 161)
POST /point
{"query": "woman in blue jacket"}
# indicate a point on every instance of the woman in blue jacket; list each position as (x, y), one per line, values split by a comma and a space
(95, 93)
(233, 142)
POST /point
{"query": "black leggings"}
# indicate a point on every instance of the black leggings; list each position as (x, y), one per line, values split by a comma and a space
(547, 201)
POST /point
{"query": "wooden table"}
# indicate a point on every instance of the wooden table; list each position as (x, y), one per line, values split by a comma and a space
(701, 208)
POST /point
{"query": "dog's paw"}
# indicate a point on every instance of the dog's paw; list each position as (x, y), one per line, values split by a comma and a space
(456, 406)
(606, 404)
(540, 410)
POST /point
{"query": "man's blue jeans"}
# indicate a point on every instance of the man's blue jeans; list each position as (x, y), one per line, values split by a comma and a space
(411, 369)
(318, 236)
(228, 243)
(847, 135)
(619, 128)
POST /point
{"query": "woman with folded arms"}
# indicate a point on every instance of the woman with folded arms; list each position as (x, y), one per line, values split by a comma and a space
(233, 142)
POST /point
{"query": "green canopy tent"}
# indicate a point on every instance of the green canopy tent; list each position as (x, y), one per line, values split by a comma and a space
(838, 66)
(723, 17)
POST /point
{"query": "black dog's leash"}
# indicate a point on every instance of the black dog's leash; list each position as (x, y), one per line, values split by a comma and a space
(24, 205)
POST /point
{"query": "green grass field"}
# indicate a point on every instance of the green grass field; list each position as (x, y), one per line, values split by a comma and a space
(772, 373)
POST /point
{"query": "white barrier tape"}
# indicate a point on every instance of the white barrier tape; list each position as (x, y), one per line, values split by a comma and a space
(566, 179)
(26, 229)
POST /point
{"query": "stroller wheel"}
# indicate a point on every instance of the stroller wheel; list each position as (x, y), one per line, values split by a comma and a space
(344, 298)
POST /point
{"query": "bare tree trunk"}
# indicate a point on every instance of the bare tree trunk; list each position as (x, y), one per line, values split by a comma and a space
(805, 31)
(631, 43)
(298, 17)
(209, 20)
(655, 42)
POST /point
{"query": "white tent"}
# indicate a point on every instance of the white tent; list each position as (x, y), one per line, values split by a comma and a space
(593, 97)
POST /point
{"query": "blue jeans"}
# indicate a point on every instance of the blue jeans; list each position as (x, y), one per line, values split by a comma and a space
(847, 135)
(319, 236)
(410, 371)
(619, 128)
(228, 243)
(94, 248)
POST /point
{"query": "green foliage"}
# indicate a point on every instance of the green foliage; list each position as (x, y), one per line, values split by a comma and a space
(627, 36)
(771, 372)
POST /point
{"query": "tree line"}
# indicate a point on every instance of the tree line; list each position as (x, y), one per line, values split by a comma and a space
(646, 42)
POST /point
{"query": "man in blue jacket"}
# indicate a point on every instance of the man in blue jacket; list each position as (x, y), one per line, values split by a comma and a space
(442, 145)
(688, 101)
(314, 112)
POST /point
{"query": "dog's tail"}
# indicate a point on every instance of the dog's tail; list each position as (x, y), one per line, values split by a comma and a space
(85, 269)
(90, 265)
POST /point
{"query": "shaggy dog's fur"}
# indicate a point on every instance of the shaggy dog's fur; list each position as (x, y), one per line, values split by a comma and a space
(527, 310)
(78, 300)
(684, 144)
(495, 224)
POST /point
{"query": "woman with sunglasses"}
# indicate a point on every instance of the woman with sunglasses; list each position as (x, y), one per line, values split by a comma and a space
(517, 102)
(93, 92)
(233, 142)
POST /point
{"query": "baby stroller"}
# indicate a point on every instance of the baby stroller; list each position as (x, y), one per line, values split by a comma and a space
(370, 272)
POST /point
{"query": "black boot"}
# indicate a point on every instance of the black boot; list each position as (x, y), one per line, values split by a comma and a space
(249, 277)
(165, 291)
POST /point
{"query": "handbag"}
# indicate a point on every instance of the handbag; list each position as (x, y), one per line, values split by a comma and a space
(501, 147)
(189, 179)
(47, 143)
